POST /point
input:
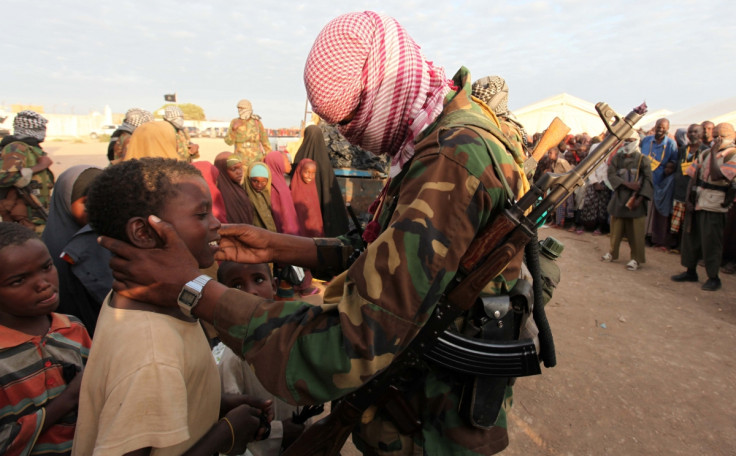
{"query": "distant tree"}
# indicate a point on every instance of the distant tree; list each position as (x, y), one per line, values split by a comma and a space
(191, 111)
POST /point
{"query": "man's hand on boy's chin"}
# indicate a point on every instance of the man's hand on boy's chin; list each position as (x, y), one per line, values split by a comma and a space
(154, 276)
(244, 244)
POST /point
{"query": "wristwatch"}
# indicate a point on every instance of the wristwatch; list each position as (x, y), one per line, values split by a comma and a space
(191, 293)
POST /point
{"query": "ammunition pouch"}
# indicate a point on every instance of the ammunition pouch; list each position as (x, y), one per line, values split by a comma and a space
(488, 354)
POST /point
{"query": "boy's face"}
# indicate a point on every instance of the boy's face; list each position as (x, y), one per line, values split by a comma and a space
(28, 281)
(259, 183)
(190, 212)
(308, 172)
(252, 278)
(235, 173)
(669, 168)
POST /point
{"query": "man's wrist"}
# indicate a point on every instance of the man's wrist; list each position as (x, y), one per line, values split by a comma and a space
(206, 307)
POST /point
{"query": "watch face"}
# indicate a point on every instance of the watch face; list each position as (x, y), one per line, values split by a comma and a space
(187, 297)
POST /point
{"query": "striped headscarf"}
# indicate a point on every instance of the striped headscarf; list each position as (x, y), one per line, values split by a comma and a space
(367, 64)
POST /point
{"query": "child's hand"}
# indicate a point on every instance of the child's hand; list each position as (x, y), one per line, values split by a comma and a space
(246, 424)
(230, 401)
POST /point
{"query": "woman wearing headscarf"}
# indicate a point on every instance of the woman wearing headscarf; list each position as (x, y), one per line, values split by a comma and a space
(238, 207)
(153, 139)
(282, 205)
(287, 221)
(451, 176)
(85, 277)
(306, 201)
(211, 176)
(332, 204)
(258, 187)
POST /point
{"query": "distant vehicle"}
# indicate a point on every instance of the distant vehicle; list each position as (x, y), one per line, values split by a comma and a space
(193, 132)
(214, 132)
(103, 130)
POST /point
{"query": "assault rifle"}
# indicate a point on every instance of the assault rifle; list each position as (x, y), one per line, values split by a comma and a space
(32, 201)
(487, 256)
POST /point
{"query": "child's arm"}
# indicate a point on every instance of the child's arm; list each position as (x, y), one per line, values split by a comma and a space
(230, 435)
(26, 430)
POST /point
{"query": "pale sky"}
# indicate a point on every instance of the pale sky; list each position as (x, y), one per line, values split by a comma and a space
(78, 56)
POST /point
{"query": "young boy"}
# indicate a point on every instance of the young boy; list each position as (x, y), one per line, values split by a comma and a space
(42, 352)
(238, 377)
(152, 385)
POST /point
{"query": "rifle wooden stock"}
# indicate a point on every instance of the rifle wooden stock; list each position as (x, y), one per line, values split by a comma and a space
(505, 238)
(552, 136)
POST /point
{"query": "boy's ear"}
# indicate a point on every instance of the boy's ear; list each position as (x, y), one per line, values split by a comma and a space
(140, 233)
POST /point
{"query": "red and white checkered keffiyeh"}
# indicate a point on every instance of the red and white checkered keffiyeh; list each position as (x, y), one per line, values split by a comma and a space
(367, 61)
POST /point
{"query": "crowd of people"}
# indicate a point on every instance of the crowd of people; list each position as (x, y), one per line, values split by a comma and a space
(672, 192)
(153, 170)
(111, 298)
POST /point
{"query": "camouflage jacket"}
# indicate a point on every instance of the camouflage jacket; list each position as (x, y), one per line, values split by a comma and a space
(13, 158)
(119, 146)
(182, 146)
(432, 211)
(250, 139)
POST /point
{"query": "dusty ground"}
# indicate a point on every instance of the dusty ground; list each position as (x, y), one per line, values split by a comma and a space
(644, 364)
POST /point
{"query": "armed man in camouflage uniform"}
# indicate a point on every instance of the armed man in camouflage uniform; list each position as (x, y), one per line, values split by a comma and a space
(248, 135)
(121, 137)
(25, 178)
(185, 149)
(452, 173)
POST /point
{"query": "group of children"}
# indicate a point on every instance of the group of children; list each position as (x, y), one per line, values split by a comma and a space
(149, 383)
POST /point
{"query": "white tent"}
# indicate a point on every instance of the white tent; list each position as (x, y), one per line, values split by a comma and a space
(715, 111)
(578, 114)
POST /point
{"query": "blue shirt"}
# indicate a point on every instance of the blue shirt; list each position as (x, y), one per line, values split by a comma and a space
(663, 152)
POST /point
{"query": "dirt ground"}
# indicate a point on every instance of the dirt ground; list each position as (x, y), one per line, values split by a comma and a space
(644, 365)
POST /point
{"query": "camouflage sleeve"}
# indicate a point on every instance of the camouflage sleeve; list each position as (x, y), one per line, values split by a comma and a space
(264, 138)
(14, 157)
(310, 353)
(230, 136)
